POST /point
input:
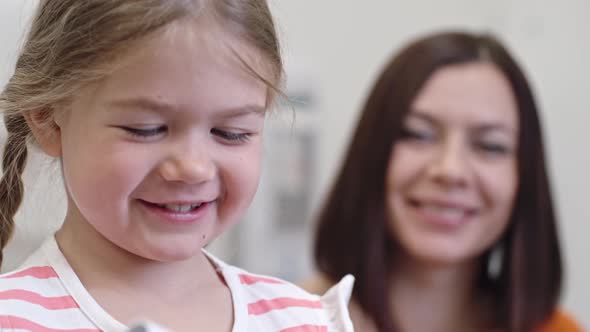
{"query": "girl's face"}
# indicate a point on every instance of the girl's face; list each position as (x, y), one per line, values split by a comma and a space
(452, 178)
(165, 154)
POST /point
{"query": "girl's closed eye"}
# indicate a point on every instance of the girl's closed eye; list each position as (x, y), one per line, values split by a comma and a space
(231, 137)
(147, 132)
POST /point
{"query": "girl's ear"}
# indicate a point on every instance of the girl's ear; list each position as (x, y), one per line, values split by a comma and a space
(46, 131)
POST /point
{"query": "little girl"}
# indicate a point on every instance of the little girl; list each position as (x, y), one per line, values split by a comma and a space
(155, 109)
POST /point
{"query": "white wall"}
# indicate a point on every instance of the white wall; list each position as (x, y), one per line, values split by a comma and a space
(343, 43)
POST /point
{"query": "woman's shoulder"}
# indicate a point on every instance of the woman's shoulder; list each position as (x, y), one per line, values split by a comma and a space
(561, 321)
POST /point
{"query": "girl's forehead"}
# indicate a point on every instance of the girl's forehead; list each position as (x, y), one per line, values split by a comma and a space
(203, 35)
(186, 71)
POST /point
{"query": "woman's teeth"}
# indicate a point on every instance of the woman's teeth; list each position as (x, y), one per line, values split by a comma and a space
(444, 211)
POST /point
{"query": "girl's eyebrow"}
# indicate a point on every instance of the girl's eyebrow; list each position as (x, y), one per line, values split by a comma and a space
(236, 112)
(142, 103)
(150, 104)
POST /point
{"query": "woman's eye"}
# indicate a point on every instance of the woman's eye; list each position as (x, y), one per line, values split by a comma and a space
(416, 135)
(145, 132)
(231, 137)
(494, 148)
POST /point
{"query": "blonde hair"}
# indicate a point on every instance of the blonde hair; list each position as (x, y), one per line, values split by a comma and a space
(72, 43)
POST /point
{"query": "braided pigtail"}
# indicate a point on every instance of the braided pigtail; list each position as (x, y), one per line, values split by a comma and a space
(11, 184)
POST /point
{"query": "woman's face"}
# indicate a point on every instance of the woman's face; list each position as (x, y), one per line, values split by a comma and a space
(452, 177)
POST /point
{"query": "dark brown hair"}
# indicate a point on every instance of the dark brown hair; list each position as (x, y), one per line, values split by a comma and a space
(353, 234)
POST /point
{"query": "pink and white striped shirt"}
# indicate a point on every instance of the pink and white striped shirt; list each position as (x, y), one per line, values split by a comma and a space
(45, 295)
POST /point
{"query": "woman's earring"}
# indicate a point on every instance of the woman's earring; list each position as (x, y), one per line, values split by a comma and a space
(495, 261)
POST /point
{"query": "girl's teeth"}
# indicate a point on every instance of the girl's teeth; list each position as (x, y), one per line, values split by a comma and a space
(180, 208)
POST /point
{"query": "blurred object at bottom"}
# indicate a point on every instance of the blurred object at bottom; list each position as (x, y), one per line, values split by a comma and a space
(147, 326)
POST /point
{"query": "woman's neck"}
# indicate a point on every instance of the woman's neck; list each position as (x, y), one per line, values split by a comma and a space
(428, 297)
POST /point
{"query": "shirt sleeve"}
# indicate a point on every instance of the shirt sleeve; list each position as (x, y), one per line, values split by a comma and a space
(335, 302)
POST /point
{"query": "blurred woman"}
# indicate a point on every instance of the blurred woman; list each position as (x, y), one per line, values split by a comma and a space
(442, 209)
